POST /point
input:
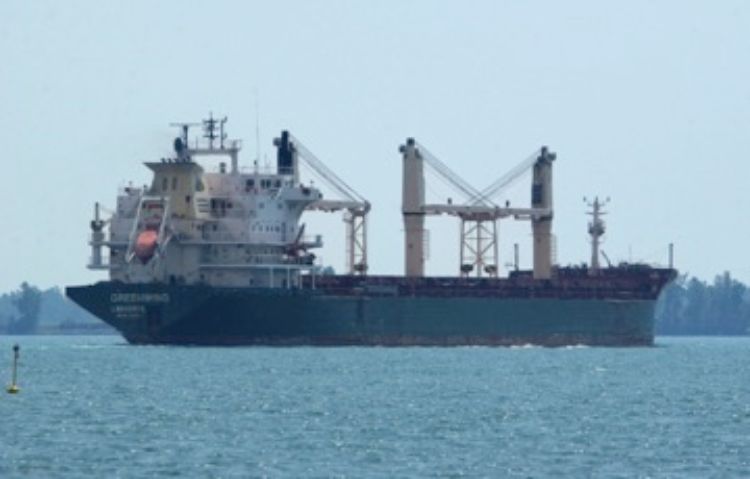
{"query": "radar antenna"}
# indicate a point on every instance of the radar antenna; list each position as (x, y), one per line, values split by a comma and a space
(181, 142)
(209, 129)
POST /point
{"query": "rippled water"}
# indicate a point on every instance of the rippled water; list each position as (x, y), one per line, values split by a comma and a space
(94, 407)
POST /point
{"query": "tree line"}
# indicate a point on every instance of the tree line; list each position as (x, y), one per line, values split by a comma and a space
(30, 310)
(27, 302)
(689, 306)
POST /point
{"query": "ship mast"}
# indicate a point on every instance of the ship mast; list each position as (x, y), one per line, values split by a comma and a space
(213, 129)
(596, 231)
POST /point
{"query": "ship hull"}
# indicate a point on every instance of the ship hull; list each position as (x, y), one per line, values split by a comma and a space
(204, 315)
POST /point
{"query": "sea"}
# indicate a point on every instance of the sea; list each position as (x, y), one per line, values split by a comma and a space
(93, 406)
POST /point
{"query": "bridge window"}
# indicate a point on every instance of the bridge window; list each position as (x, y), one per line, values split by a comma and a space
(218, 206)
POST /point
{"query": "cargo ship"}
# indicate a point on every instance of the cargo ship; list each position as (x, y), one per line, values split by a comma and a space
(221, 257)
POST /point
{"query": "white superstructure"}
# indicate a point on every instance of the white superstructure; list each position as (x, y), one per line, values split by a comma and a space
(224, 228)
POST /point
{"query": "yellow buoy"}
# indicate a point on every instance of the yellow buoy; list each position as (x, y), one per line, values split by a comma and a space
(13, 388)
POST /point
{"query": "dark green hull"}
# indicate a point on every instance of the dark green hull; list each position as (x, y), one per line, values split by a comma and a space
(162, 314)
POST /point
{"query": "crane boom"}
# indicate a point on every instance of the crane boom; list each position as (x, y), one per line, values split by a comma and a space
(354, 206)
(506, 180)
(325, 173)
(450, 176)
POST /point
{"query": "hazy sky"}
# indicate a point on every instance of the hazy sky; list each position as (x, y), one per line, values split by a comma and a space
(646, 102)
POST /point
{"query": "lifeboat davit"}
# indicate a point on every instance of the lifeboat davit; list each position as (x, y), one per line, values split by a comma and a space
(145, 245)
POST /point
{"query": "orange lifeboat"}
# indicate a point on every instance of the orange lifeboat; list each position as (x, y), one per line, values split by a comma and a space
(145, 245)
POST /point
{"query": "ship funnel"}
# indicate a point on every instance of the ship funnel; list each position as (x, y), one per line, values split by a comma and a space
(285, 154)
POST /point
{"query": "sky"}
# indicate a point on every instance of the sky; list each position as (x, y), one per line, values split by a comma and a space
(645, 102)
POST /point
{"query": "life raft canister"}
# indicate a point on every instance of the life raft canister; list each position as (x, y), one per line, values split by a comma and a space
(145, 245)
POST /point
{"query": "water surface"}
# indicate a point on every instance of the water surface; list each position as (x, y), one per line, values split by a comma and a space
(95, 407)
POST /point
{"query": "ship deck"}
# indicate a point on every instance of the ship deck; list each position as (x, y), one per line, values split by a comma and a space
(625, 283)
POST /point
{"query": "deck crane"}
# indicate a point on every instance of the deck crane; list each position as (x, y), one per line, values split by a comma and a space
(355, 208)
(479, 214)
(478, 226)
(474, 229)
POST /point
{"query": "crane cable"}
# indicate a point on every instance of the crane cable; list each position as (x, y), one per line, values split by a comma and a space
(504, 181)
(453, 179)
(325, 173)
